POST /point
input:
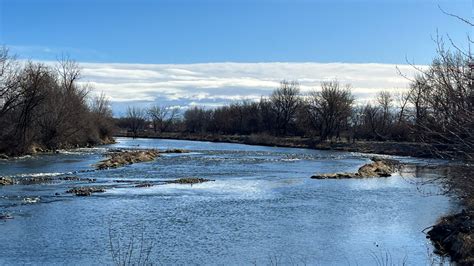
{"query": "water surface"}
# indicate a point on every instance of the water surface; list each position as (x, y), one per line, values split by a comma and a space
(261, 208)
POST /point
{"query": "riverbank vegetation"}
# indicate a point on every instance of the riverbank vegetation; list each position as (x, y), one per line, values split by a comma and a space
(44, 108)
(436, 110)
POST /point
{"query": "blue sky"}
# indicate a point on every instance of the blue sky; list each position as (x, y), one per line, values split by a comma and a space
(239, 31)
(209, 53)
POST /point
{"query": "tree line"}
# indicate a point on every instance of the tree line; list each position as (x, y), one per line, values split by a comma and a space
(327, 114)
(44, 107)
(437, 109)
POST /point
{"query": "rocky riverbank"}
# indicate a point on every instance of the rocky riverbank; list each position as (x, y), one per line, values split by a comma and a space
(453, 235)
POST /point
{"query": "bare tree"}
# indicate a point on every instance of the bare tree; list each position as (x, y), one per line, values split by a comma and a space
(417, 89)
(444, 101)
(385, 100)
(8, 81)
(402, 100)
(135, 119)
(330, 108)
(33, 79)
(197, 119)
(61, 123)
(267, 116)
(101, 105)
(44, 107)
(68, 72)
(162, 117)
(285, 101)
(370, 122)
(102, 117)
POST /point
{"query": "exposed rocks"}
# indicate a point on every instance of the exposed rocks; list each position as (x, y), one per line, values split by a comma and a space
(36, 180)
(3, 156)
(190, 180)
(143, 185)
(48, 179)
(119, 158)
(454, 236)
(122, 158)
(335, 176)
(107, 140)
(85, 191)
(85, 171)
(5, 216)
(41, 180)
(175, 151)
(6, 181)
(76, 178)
(34, 148)
(378, 168)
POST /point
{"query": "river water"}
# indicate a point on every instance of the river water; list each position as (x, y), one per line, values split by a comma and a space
(262, 208)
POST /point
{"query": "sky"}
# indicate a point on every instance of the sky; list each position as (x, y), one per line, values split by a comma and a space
(210, 52)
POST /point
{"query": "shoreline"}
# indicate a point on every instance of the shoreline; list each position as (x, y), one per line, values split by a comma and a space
(36, 150)
(412, 149)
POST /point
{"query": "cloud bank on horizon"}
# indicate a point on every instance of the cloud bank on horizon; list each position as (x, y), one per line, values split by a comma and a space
(216, 84)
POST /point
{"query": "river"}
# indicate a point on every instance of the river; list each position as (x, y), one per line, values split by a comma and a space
(262, 208)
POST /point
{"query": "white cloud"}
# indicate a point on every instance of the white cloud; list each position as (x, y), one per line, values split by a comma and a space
(213, 84)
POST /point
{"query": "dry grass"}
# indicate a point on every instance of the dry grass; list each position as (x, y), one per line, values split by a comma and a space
(136, 250)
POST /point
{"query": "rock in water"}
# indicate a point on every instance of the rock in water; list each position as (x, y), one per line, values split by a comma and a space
(334, 176)
(76, 178)
(85, 191)
(119, 158)
(378, 168)
(122, 158)
(175, 151)
(6, 181)
(5, 216)
(190, 180)
(36, 180)
(143, 185)
(373, 169)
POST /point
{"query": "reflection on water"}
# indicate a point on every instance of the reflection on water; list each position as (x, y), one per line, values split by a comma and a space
(261, 207)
